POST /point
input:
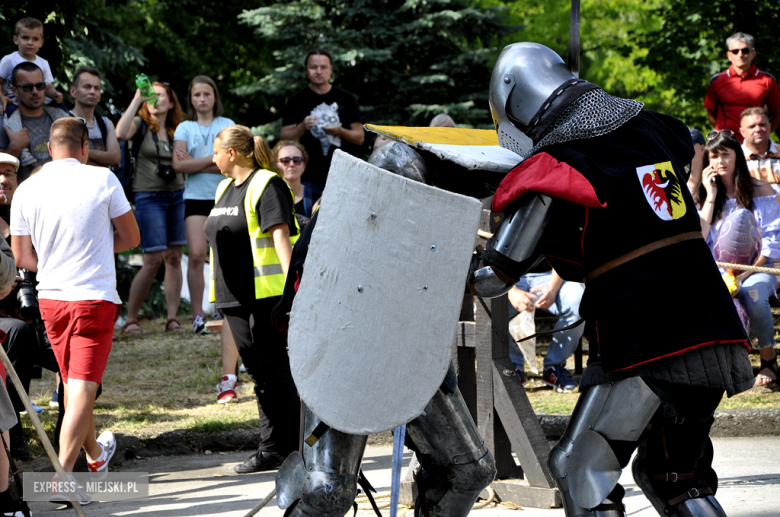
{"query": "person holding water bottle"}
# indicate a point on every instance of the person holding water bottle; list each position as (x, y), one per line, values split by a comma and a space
(159, 204)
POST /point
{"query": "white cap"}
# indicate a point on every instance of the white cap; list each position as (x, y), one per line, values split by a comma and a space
(9, 158)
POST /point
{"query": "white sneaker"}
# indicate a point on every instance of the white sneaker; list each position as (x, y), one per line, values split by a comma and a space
(108, 443)
(199, 324)
(227, 389)
(63, 498)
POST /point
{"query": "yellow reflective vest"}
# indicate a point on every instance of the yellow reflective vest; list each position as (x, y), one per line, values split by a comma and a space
(269, 277)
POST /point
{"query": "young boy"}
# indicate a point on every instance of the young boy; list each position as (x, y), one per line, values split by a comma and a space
(28, 36)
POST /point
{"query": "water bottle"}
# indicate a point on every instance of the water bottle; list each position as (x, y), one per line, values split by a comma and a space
(145, 85)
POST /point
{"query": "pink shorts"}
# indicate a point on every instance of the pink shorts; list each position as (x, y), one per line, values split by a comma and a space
(80, 334)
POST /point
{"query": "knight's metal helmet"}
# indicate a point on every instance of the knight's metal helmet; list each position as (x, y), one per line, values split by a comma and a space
(529, 82)
(400, 159)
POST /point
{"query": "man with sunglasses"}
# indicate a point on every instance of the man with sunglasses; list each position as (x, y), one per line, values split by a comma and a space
(27, 129)
(740, 87)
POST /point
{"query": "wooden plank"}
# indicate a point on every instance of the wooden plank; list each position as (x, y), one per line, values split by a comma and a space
(408, 493)
(578, 358)
(467, 378)
(519, 492)
(521, 424)
(467, 309)
(492, 341)
(466, 334)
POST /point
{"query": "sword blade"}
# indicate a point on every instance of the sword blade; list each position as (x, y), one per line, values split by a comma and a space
(399, 436)
(574, 38)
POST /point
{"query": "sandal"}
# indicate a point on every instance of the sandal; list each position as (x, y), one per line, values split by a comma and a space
(766, 380)
(131, 327)
(173, 325)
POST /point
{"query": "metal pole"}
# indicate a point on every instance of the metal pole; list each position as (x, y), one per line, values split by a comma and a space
(574, 38)
(39, 428)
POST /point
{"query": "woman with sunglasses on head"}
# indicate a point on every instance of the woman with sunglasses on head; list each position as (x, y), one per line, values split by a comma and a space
(159, 203)
(251, 230)
(193, 149)
(726, 186)
(291, 158)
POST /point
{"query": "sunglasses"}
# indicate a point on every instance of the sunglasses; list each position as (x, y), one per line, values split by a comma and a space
(725, 132)
(28, 87)
(85, 130)
(295, 159)
(745, 51)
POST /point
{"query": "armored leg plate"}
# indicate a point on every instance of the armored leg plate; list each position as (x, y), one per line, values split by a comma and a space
(324, 483)
(585, 468)
(455, 464)
(700, 507)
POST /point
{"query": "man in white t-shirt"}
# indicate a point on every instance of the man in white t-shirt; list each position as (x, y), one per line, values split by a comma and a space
(61, 223)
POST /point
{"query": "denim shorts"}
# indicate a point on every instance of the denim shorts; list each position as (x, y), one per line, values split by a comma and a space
(160, 217)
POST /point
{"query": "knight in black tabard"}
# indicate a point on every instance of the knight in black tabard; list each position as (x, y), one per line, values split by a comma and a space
(601, 194)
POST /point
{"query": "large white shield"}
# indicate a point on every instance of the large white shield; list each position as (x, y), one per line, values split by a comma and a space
(372, 325)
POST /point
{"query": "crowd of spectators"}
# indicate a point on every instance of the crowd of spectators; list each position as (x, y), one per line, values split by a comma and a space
(738, 168)
(179, 162)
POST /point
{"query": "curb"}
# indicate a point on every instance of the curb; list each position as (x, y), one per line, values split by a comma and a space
(734, 423)
(730, 423)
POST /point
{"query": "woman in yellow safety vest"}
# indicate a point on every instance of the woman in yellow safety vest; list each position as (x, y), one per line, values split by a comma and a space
(251, 230)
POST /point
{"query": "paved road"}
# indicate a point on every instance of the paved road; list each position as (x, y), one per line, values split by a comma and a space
(203, 484)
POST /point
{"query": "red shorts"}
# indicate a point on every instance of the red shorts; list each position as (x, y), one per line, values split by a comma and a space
(80, 334)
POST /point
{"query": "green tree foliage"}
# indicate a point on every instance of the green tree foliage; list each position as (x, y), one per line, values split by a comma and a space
(186, 38)
(74, 37)
(170, 41)
(404, 60)
(610, 50)
(690, 46)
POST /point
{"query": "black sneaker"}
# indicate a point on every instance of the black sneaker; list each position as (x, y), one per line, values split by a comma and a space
(19, 450)
(9, 506)
(559, 378)
(520, 374)
(260, 462)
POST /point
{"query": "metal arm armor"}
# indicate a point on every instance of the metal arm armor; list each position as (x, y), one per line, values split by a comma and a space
(513, 250)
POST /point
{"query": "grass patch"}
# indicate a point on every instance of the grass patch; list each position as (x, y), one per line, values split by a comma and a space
(154, 383)
(162, 381)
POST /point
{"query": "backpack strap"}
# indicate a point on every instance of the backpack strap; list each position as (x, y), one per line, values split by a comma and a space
(101, 126)
(138, 138)
(103, 130)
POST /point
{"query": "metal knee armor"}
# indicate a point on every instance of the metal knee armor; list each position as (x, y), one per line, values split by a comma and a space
(585, 468)
(455, 464)
(324, 482)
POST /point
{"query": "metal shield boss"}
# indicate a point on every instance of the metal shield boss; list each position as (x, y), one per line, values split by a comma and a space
(373, 322)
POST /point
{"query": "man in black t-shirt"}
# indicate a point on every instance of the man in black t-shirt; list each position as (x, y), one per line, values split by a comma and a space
(323, 118)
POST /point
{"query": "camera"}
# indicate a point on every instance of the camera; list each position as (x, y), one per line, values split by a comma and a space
(26, 295)
(165, 172)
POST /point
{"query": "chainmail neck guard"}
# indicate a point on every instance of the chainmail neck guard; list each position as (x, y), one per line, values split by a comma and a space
(592, 114)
